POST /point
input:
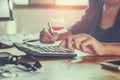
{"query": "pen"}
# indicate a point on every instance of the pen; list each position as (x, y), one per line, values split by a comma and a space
(50, 28)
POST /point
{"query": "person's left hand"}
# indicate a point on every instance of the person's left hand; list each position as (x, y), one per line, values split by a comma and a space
(83, 42)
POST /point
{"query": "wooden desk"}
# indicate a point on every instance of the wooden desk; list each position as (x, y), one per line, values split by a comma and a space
(80, 68)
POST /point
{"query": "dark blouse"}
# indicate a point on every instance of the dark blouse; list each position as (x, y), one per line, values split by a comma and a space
(90, 24)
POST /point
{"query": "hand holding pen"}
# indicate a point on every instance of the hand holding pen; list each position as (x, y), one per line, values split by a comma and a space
(48, 36)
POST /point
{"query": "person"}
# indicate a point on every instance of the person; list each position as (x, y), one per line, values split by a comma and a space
(96, 33)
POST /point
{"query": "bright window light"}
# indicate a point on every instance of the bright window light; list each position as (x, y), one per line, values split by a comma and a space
(21, 2)
(72, 2)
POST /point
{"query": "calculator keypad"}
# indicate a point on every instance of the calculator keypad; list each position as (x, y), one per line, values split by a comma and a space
(50, 49)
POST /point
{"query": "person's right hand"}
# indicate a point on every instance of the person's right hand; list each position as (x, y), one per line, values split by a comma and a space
(84, 43)
(46, 37)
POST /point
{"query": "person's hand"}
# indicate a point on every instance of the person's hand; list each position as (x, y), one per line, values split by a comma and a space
(83, 42)
(46, 37)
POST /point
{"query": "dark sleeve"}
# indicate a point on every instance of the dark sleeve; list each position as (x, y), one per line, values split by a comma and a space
(82, 26)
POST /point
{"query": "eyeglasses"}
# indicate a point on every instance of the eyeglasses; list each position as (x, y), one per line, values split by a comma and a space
(7, 58)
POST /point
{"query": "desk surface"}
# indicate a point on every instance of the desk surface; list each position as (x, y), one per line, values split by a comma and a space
(81, 68)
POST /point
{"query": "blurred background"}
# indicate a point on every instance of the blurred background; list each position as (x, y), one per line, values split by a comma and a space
(31, 16)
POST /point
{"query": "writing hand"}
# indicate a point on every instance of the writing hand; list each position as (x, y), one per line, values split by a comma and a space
(47, 37)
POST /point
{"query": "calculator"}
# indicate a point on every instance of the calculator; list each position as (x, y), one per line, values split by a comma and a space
(45, 51)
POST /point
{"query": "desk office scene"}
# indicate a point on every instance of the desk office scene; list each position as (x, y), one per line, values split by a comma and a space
(24, 54)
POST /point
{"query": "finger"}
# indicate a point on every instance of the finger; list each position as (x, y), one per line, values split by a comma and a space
(48, 35)
(86, 46)
(45, 40)
(41, 32)
(70, 43)
(78, 40)
(82, 35)
(77, 43)
(62, 44)
(55, 36)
